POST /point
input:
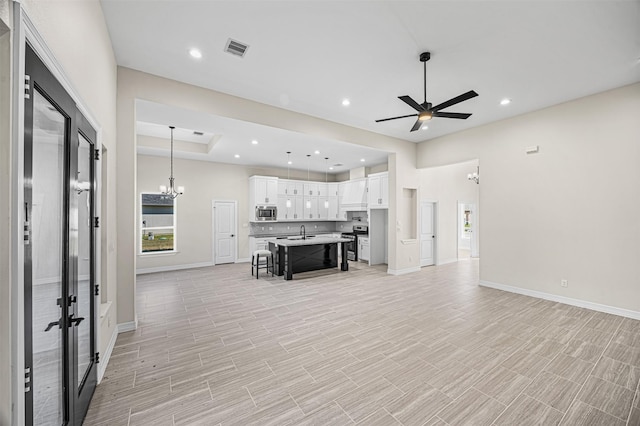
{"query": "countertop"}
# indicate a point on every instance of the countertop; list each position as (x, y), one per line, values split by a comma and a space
(310, 241)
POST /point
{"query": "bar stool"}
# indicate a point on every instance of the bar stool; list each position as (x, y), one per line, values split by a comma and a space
(255, 261)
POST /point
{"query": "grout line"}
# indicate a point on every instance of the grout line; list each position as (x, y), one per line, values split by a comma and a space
(251, 396)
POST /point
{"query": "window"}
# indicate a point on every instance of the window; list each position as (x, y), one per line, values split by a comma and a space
(158, 224)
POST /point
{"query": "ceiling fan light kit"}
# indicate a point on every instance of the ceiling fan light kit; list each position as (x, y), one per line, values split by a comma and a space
(426, 111)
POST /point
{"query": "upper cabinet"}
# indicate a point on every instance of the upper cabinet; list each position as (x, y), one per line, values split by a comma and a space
(264, 190)
(379, 190)
(353, 195)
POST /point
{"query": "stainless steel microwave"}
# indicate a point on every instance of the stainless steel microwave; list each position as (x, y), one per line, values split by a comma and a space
(265, 213)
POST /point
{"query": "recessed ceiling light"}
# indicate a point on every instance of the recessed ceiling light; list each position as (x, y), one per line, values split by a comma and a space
(289, 162)
(362, 159)
(346, 102)
(425, 127)
(316, 152)
(331, 168)
(237, 155)
(195, 53)
(505, 101)
(254, 142)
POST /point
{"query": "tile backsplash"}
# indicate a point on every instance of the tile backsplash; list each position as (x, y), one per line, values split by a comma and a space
(293, 228)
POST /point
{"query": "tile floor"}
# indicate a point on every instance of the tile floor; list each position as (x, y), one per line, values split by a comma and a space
(217, 347)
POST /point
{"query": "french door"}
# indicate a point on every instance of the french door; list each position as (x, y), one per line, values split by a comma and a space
(60, 310)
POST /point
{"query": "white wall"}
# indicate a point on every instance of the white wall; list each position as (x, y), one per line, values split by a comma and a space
(568, 212)
(448, 185)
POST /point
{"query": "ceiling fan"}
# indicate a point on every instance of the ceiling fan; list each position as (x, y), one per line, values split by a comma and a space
(425, 110)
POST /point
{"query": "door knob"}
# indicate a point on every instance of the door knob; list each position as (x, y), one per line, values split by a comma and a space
(232, 235)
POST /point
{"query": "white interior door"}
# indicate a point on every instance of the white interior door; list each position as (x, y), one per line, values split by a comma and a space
(427, 233)
(224, 232)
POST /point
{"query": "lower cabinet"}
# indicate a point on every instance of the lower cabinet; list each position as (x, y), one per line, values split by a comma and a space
(363, 249)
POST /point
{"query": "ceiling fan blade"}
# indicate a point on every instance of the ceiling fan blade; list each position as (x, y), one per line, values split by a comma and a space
(395, 118)
(460, 115)
(413, 104)
(416, 126)
(461, 98)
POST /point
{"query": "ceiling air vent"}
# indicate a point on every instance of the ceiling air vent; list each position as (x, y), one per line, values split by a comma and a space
(236, 48)
(197, 133)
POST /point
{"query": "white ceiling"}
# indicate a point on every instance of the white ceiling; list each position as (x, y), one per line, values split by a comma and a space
(307, 56)
(229, 137)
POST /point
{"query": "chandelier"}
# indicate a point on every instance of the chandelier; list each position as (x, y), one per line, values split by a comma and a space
(171, 191)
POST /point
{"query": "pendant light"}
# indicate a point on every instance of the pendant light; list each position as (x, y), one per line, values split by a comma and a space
(288, 177)
(171, 191)
(308, 203)
(326, 170)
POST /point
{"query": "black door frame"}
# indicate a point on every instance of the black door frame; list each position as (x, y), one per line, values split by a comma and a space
(76, 398)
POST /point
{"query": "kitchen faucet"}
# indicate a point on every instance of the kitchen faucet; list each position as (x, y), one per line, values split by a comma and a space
(303, 232)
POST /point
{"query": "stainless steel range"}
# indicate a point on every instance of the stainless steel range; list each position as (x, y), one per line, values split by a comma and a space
(352, 246)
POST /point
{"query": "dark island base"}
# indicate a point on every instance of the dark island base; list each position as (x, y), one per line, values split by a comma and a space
(291, 260)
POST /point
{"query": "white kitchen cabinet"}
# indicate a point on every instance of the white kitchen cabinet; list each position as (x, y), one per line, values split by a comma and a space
(310, 189)
(378, 192)
(333, 189)
(363, 248)
(323, 189)
(311, 208)
(258, 243)
(263, 190)
(333, 212)
(293, 212)
(291, 188)
(323, 208)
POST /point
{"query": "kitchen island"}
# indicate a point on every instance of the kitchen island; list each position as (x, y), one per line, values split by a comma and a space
(294, 255)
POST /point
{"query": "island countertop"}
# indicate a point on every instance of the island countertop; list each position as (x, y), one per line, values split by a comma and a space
(308, 242)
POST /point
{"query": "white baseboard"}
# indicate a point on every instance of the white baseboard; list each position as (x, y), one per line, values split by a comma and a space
(566, 300)
(243, 260)
(172, 268)
(445, 261)
(403, 271)
(127, 326)
(104, 359)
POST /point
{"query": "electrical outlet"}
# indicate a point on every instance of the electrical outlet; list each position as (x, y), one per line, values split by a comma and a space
(271, 228)
(564, 283)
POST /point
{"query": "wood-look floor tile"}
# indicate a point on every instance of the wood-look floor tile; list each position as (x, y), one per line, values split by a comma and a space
(617, 372)
(472, 408)
(418, 405)
(585, 415)
(365, 400)
(277, 352)
(454, 380)
(553, 390)
(526, 363)
(329, 414)
(369, 369)
(380, 418)
(584, 350)
(570, 368)
(607, 397)
(543, 347)
(634, 417)
(527, 411)
(311, 396)
(624, 353)
(502, 384)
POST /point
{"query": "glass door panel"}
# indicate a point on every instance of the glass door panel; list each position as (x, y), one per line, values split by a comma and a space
(47, 248)
(84, 295)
